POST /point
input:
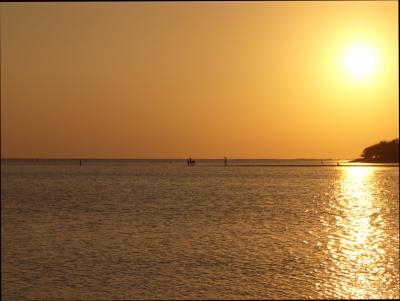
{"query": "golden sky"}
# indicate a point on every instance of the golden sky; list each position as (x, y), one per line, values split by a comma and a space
(206, 80)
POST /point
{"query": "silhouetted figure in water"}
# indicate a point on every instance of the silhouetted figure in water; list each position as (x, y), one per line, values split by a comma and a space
(80, 162)
(190, 162)
(337, 163)
(226, 161)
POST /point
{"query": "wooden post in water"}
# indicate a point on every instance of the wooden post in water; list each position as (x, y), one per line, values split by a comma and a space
(80, 162)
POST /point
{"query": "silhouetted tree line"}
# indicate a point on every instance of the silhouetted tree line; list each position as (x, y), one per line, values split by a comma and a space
(384, 151)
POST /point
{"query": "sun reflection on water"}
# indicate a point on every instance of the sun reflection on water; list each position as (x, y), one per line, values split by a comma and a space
(356, 236)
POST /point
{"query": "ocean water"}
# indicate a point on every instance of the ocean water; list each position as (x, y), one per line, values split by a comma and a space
(158, 229)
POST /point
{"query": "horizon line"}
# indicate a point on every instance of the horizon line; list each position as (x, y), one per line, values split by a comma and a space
(218, 158)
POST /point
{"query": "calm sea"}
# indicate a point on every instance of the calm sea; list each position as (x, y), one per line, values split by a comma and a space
(158, 229)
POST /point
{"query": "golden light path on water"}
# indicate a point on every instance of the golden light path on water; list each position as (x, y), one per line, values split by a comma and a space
(356, 242)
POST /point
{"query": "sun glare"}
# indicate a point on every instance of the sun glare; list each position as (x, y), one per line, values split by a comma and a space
(360, 60)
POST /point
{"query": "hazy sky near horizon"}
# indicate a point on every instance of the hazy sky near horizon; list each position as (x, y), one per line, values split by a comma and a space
(206, 80)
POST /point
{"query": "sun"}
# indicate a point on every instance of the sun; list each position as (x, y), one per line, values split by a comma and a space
(360, 60)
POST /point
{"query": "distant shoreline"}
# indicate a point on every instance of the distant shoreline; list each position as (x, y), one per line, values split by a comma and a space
(216, 162)
(370, 160)
(175, 159)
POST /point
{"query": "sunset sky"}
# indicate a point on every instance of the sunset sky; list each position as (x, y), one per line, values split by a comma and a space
(206, 80)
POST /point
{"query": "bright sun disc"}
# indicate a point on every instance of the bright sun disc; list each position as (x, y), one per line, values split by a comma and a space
(360, 60)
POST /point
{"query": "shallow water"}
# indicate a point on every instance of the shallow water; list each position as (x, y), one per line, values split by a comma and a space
(163, 230)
